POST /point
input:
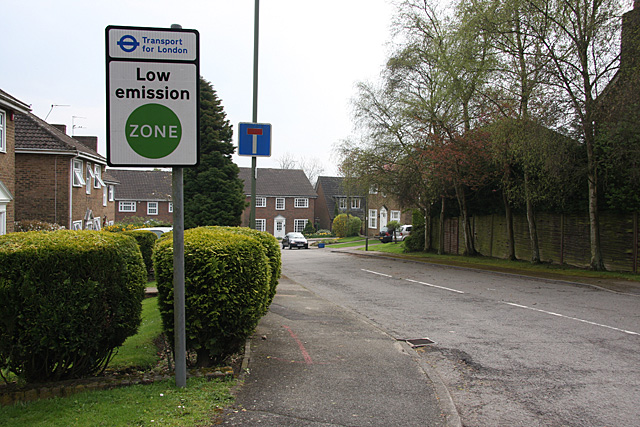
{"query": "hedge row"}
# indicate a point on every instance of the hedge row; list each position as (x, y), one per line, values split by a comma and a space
(67, 300)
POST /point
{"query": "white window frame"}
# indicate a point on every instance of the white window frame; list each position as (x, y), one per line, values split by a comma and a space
(152, 208)
(3, 131)
(373, 219)
(342, 203)
(111, 193)
(355, 203)
(170, 207)
(97, 178)
(280, 203)
(90, 177)
(395, 216)
(261, 224)
(299, 225)
(261, 202)
(122, 206)
(3, 219)
(76, 225)
(78, 173)
(301, 202)
(105, 196)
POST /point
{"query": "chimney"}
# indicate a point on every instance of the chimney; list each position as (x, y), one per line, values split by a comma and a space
(89, 141)
(61, 128)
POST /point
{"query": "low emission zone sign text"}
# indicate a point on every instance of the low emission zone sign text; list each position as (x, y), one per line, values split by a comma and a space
(152, 96)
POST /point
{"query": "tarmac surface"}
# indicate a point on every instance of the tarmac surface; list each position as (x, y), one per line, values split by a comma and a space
(312, 363)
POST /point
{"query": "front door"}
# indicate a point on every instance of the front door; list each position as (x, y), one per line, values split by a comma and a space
(383, 217)
(279, 226)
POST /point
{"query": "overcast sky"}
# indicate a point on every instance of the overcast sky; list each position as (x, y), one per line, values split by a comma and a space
(312, 53)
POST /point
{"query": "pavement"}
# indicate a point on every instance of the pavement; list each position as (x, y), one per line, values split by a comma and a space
(313, 363)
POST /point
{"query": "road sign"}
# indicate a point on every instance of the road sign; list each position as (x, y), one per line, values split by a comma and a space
(152, 96)
(254, 139)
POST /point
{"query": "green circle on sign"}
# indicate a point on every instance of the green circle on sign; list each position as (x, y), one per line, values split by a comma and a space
(153, 131)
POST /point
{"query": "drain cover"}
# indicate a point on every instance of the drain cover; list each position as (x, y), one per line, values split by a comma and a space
(418, 342)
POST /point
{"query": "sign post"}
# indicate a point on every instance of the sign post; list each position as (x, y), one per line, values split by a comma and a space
(153, 77)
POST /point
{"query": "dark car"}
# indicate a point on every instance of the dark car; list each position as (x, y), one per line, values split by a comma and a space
(385, 235)
(295, 240)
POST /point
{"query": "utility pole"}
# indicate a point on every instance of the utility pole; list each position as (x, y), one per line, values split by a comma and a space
(254, 119)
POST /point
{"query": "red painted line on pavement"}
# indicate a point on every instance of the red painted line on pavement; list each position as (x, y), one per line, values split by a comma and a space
(305, 354)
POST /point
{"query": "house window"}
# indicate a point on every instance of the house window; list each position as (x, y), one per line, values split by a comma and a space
(3, 132)
(170, 207)
(105, 195)
(3, 220)
(90, 177)
(127, 206)
(395, 216)
(78, 180)
(111, 191)
(299, 225)
(152, 208)
(373, 189)
(261, 224)
(261, 202)
(373, 218)
(342, 203)
(77, 225)
(97, 177)
(280, 203)
(301, 203)
(355, 203)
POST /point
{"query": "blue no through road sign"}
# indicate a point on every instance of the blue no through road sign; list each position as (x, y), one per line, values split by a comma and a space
(254, 139)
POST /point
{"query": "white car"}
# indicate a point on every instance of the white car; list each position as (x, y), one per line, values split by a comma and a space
(404, 231)
(159, 231)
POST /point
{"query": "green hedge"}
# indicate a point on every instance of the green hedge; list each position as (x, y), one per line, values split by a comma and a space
(67, 300)
(227, 289)
(346, 226)
(146, 239)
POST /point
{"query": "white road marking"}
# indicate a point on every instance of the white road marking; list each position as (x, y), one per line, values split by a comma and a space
(572, 318)
(375, 272)
(435, 286)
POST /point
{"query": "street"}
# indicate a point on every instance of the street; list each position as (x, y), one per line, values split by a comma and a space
(512, 351)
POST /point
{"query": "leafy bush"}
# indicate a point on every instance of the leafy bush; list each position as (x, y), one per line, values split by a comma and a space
(133, 223)
(346, 227)
(36, 225)
(145, 239)
(308, 229)
(67, 300)
(227, 288)
(415, 241)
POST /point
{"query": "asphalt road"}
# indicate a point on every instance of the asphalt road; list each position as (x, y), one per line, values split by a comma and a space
(513, 351)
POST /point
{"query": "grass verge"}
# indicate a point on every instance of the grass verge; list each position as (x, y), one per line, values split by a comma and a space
(518, 267)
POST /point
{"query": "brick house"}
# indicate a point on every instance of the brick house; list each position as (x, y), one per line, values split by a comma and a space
(60, 179)
(285, 200)
(9, 106)
(383, 208)
(334, 199)
(143, 194)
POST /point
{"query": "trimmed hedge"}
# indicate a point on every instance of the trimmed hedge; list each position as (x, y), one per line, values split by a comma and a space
(67, 300)
(227, 289)
(145, 239)
(346, 226)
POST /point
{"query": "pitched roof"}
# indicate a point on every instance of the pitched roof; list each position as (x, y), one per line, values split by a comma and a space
(278, 182)
(10, 101)
(146, 185)
(33, 133)
(332, 189)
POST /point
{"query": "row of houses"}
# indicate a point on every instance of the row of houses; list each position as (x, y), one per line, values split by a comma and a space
(47, 175)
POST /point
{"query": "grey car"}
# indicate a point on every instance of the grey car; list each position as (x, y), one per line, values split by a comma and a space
(295, 240)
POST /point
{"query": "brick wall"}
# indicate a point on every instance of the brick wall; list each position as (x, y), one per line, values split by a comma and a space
(141, 212)
(7, 169)
(290, 213)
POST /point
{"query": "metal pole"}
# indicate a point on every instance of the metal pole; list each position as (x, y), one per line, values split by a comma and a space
(180, 341)
(252, 213)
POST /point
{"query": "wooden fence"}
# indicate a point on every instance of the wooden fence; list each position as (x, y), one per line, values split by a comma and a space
(563, 238)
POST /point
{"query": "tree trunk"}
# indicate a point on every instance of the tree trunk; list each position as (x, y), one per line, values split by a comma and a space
(597, 262)
(511, 246)
(531, 219)
(441, 228)
(469, 249)
(427, 228)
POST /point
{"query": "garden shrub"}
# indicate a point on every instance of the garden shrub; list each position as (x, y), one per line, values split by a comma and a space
(415, 242)
(308, 229)
(67, 300)
(145, 239)
(345, 227)
(227, 288)
(36, 225)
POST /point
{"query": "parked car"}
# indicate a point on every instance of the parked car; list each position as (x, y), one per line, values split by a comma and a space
(404, 231)
(385, 235)
(295, 240)
(159, 231)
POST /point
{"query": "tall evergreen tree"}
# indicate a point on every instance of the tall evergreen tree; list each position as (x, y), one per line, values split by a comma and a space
(212, 191)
